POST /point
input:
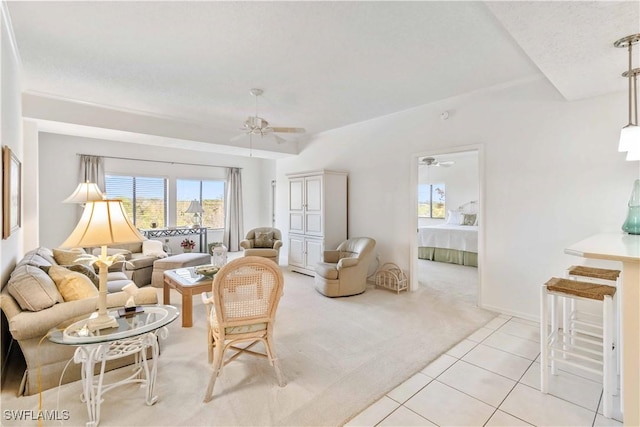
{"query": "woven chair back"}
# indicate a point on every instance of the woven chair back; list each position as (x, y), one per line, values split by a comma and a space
(247, 291)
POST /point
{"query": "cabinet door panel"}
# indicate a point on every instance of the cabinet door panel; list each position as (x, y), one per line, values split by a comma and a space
(296, 221)
(296, 251)
(296, 195)
(314, 249)
(313, 186)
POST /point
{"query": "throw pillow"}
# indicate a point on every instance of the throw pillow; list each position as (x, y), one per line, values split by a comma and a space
(79, 268)
(469, 219)
(71, 284)
(264, 239)
(69, 256)
(153, 248)
(33, 289)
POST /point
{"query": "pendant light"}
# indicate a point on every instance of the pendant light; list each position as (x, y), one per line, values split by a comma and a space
(630, 134)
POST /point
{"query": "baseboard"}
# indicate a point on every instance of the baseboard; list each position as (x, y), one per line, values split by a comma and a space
(513, 313)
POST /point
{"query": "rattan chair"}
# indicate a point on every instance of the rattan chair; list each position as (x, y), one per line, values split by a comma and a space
(242, 308)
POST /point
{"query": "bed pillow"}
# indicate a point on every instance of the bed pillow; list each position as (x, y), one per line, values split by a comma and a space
(71, 284)
(469, 219)
(153, 248)
(454, 217)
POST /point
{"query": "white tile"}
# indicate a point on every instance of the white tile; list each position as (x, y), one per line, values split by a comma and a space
(502, 419)
(439, 365)
(540, 409)
(605, 422)
(572, 388)
(404, 417)
(525, 321)
(444, 405)
(497, 322)
(462, 348)
(410, 387)
(500, 362)
(480, 334)
(374, 413)
(514, 345)
(484, 385)
(522, 330)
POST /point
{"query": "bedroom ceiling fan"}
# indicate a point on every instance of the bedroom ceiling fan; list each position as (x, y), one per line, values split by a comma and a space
(255, 125)
(430, 161)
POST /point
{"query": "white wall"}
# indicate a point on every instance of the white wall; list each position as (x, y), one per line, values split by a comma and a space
(59, 177)
(552, 176)
(11, 249)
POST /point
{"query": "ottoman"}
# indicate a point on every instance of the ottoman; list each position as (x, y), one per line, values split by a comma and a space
(173, 262)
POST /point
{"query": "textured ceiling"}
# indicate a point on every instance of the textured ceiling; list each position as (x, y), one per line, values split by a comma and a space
(323, 65)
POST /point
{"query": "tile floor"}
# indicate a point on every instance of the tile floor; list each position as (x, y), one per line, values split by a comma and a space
(492, 378)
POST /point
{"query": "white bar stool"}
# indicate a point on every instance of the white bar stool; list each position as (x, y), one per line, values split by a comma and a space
(572, 319)
(585, 351)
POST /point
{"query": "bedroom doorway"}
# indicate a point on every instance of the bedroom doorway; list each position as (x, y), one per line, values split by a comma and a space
(447, 221)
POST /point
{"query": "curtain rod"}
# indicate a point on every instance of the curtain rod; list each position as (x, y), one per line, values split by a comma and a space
(157, 161)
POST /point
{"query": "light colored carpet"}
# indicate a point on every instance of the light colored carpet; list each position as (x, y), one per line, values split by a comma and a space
(338, 356)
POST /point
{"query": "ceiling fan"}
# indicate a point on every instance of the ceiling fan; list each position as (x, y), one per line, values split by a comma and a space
(430, 161)
(255, 125)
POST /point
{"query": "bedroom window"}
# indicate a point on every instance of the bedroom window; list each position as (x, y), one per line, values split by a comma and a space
(431, 201)
(210, 194)
(144, 198)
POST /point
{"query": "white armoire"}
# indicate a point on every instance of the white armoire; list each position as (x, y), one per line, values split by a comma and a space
(317, 216)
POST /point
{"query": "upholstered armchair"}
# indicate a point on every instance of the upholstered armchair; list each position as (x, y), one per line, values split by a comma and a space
(343, 271)
(264, 242)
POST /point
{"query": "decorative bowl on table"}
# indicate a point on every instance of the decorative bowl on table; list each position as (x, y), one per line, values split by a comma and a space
(207, 270)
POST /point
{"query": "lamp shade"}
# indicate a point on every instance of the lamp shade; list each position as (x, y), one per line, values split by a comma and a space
(629, 138)
(85, 192)
(634, 153)
(194, 207)
(103, 223)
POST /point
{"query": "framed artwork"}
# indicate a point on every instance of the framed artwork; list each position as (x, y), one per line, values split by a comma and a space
(11, 192)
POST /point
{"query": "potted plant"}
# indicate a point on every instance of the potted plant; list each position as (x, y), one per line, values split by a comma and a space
(187, 245)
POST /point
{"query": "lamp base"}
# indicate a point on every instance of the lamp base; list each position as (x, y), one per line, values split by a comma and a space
(102, 321)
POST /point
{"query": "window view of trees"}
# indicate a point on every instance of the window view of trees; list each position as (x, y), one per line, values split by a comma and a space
(431, 201)
(210, 194)
(144, 198)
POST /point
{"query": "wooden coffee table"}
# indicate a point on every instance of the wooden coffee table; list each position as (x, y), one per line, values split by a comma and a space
(188, 283)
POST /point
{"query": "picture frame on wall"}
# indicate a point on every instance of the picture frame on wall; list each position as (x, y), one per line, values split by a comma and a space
(11, 192)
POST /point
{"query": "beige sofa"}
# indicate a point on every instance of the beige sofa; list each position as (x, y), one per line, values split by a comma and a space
(343, 272)
(139, 267)
(29, 321)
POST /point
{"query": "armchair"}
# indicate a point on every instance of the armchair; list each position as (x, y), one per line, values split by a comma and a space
(343, 271)
(263, 242)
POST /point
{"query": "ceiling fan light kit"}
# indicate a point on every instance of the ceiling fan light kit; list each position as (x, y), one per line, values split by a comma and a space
(255, 125)
(630, 134)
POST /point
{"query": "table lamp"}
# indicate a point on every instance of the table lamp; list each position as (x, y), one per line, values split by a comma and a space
(196, 209)
(103, 223)
(85, 192)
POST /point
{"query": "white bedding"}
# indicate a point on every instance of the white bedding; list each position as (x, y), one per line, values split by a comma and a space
(449, 236)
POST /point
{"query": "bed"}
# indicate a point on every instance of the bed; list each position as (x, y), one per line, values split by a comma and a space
(454, 242)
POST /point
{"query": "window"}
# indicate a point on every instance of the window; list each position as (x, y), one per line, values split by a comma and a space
(431, 199)
(144, 198)
(210, 194)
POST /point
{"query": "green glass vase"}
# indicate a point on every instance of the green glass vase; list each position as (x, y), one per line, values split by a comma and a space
(632, 223)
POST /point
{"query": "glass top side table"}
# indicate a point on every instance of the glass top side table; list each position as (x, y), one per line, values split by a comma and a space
(136, 335)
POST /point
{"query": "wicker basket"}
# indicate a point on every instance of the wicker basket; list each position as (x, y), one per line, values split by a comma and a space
(390, 276)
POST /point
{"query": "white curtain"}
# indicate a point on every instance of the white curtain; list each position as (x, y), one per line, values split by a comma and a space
(92, 170)
(233, 227)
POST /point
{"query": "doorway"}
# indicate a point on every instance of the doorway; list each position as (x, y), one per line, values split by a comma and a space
(446, 227)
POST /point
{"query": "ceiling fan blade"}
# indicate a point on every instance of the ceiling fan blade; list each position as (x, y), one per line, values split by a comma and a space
(238, 137)
(445, 164)
(288, 130)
